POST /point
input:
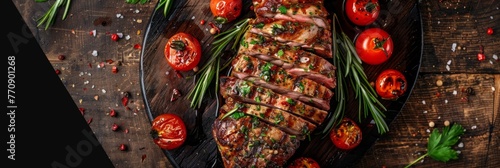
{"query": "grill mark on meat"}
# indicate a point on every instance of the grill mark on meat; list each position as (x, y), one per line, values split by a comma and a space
(295, 60)
(312, 12)
(288, 122)
(306, 35)
(271, 76)
(240, 90)
(246, 142)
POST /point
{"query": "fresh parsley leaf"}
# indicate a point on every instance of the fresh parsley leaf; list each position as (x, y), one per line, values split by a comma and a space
(439, 144)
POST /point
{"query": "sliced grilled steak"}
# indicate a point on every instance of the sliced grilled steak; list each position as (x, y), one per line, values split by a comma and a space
(306, 35)
(312, 12)
(288, 122)
(295, 60)
(278, 79)
(244, 141)
(231, 87)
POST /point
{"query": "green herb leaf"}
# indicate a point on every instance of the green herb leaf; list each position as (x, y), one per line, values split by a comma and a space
(49, 17)
(166, 5)
(439, 145)
(210, 71)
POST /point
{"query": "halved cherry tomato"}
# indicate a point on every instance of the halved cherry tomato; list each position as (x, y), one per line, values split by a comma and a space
(168, 131)
(225, 11)
(304, 162)
(390, 84)
(362, 12)
(183, 51)
(347, 135)
(374, 46)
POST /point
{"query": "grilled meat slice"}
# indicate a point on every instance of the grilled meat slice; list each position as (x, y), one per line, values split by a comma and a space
(276, 78)
(295, 60)
(284, 120)
(244, 141)
(309, 12)
(244, 91)
(306, 35)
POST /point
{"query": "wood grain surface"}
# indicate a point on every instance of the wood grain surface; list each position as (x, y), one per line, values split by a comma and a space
(97, 90)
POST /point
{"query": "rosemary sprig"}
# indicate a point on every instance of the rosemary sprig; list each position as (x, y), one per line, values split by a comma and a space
(49, 17)
(349, 69)
(213, 67)
(166, 5)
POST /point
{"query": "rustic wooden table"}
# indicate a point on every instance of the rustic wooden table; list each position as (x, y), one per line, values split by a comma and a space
(98, 90)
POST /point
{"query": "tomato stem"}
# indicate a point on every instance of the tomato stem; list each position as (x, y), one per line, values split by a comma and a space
(178, 45)
(379, 44)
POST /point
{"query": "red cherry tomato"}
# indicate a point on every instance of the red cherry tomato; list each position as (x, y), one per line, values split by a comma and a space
(390, 84)
(168, 131)
(362, 12)
(225, 11)
(304, 162)
(183, 51)
(347, 135)
(374, 46)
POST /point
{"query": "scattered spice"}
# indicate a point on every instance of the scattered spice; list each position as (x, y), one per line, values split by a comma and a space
(114, 37)
(82, 110)
(489, 31)
(112, 113)
(115, 127)
(202, 21)
(123, 147)
(175, 95)
(179, 75)
(96, 97)
(481, 57)
(446, 123)
(126, 130)
(61, 57)
(93, 33)
(439, 82)
(137, 46)
(469, 91)
(89, 120)
(143, 157)
(214, 29)
(109, 61)
(125, 98)
(431, 124)
(58, 71)
(114, 69)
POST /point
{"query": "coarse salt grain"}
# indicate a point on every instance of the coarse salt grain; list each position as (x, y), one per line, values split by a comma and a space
(94, 53)
(495, 57)
(493, 88)
(454, 92)
(491, 62)
(423, 101)
(453, 47)
(94, 33)
(449, 62)
(127, 37)
(425, 112)
(459, 151)
(192, 18)
(103, 91)
(473, 127)
(428, 130)
(446, 101)
(491, 17)
(448, 67)
(461, 145)
(119, 15)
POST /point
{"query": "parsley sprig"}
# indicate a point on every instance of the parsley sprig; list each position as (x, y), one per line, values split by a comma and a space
(439, 145)
(350, 71)
(49, 17)
(210, 71)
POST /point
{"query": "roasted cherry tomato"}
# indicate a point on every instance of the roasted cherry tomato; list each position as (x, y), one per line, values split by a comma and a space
(304, 162)
(390, 84)
(374, 46)
(183, 51)
(347, 135)
(362, 12)
(225, 11)
(168, 131)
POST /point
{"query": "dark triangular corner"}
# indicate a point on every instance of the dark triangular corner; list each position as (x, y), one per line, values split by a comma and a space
(45, 127)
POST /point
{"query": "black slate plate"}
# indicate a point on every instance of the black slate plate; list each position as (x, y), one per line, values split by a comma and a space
(400, 18)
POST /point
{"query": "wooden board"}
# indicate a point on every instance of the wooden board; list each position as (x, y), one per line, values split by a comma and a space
(401, 20)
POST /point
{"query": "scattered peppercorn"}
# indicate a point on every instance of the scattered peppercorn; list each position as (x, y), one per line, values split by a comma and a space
(489, 31)
(115, 127)
(481, 57)
(202, 21)
(439, 82)
(431, 124)
(114, 37)
(114, 69)
(446, 123)
(58, 71)
(61, 57)
(123, 147)
(112, 113)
